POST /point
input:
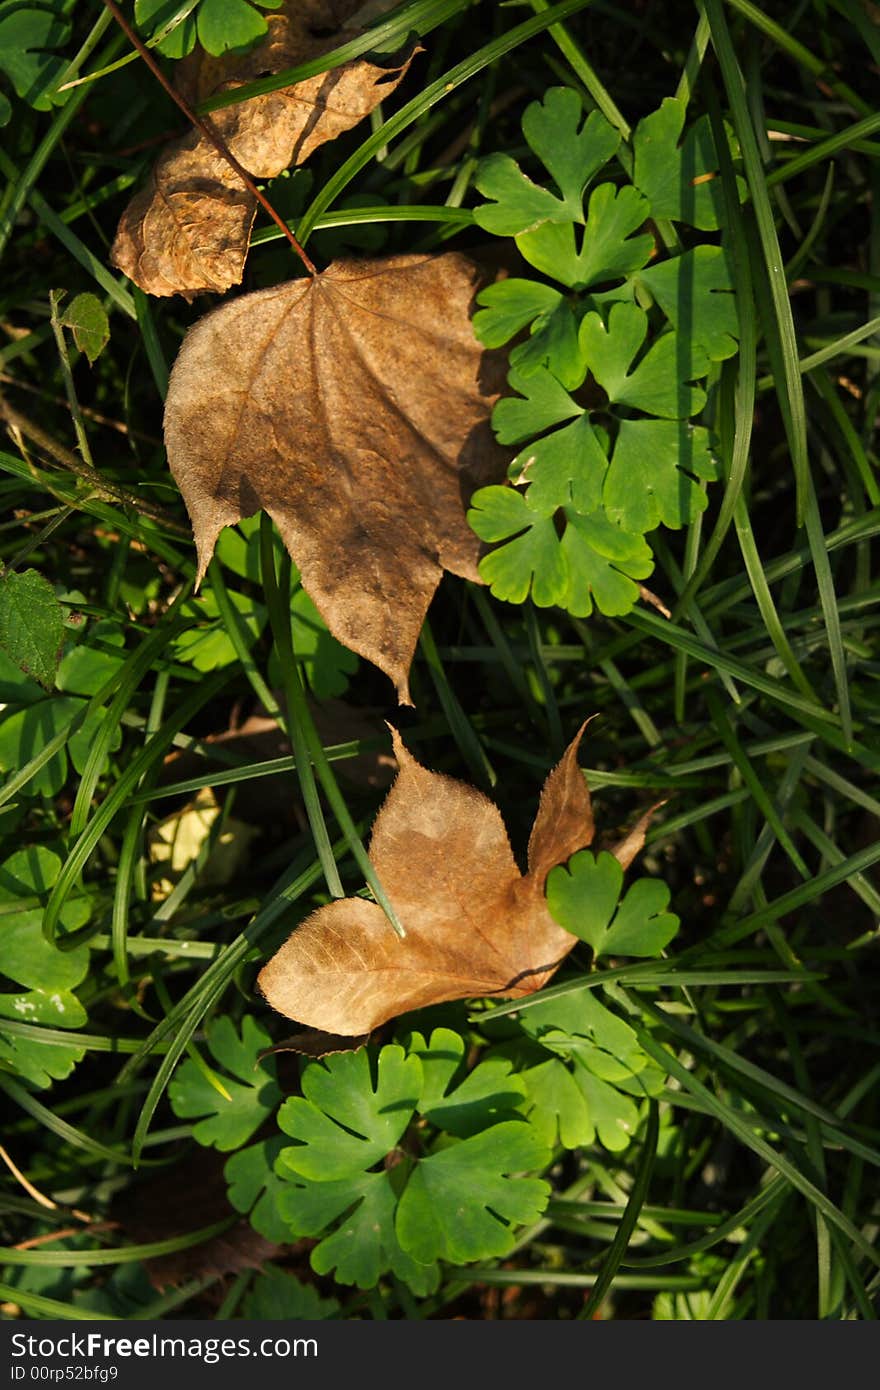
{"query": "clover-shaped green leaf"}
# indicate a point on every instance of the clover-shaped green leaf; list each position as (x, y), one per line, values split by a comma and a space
(594, 562)
(608, 249)
(518, 203)
(679, 180)
(221, 25)
(461, 1204)
(532, 560)
(571, 1105)
(603, 1061)
(35, 1062)
(358, 1212)
(232, 1105)
(512, 305)
(543, 402)
(254, 1187)
(597, 475)
(463, 1105)
(650, 1080)
(356, 1181)
(343, 1122)
(29, 32)
(275, 1294)
(578, 1025)
(603, 563)
(555, 1105)
(47, 973)
(612, 1113)
(553, 343)
(565, 468)
(695, 292)
(651, 477)
(584, 898)
(659, 383)
(572, 149)
(346, 1123)
(508, 306)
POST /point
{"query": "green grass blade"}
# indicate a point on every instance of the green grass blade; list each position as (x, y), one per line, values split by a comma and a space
(736, 1126)
(153, 750)
(436, 91)
(637, 1198)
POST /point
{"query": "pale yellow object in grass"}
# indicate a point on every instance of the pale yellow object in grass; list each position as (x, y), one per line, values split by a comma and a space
(188, 837)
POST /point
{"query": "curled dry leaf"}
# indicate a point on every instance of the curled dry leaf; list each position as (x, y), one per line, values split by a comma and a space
(156, 1210)
(313, 1042)
(475, 925)
(189, 229)
(354, 408)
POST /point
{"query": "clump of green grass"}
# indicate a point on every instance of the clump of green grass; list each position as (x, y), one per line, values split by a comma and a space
(745, 1189)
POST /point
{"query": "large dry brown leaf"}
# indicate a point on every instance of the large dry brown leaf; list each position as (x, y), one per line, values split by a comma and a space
(474, 925)
(354, 408)
(189, 229)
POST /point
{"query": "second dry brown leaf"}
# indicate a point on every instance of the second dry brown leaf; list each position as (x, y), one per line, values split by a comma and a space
(189, 229)
(353, 407)
(157, 1210)
(475, 925)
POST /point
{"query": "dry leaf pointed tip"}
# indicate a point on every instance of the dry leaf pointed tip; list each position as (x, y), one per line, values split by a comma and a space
(205, 556)
(586, 724)
(575, 744)
(399, 748)
(633, 842)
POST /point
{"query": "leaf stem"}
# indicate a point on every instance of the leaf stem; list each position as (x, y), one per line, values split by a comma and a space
(204, 128)
(82, 439)
(101, 486)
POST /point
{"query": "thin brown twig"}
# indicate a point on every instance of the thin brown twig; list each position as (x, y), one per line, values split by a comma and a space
(67, 459)
(208, 131)
(48, 1237)
(28, 1186)
(119, 425)
(650, 597)
(40, 1197)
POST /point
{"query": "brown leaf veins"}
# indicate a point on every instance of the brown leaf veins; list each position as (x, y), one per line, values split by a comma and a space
(474, 925)
(189, 229)
(354, 408)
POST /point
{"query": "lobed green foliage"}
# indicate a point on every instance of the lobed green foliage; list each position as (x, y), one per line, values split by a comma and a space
(601, 469)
